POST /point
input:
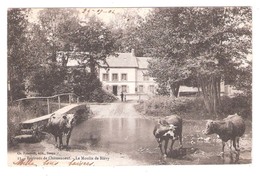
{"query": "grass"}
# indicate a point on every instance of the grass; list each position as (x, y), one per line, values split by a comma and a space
(25, 111)
(192, 107)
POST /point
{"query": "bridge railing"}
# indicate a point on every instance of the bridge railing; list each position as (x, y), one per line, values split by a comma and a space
(71, 99)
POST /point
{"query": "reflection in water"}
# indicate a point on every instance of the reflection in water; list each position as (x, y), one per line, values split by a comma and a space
(117, 135)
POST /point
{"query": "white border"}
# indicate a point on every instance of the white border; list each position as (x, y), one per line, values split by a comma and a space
(201, 170)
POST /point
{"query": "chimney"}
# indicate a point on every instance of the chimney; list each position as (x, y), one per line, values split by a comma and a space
(133, 52)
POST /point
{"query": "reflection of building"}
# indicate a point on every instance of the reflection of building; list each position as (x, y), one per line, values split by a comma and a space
(127, 73)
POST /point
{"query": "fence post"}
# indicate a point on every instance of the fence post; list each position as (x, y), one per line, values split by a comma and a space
(69, 99)
(77, 100)
(59, 101)
(48, 104)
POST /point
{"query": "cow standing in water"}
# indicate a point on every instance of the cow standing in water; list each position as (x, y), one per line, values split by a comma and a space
(230, 128)
(59, 125)
(168, 128)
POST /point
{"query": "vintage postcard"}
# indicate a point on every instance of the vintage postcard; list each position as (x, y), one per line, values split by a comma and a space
(129, 86)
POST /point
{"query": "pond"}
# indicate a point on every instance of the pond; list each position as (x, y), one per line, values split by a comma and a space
(133, 136)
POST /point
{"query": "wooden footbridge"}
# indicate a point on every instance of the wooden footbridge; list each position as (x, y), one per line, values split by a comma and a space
(33, 130)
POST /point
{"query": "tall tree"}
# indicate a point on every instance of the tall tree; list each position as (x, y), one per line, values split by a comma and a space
(221, 44)
(56, 25)
(125, 29)
(210, 44)
(49, 36)
(95, 42)
(17, 52)
(166, 39)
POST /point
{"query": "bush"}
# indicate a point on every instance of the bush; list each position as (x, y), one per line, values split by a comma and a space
(164, 105)
(241, 104)
(100, 95)
(15, 117)
(28, 109)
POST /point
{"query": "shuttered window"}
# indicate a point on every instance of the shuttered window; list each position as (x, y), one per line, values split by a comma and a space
(141, 88)
(123, 77)
(114, 77)
(105, 77)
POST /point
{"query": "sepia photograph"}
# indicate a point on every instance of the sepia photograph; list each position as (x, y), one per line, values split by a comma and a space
(129, 86)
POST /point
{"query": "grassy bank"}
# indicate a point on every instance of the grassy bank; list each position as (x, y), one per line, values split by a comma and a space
(25, 111)
(193, 107)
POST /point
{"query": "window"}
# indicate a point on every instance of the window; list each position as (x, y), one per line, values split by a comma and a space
(114, 77)
(141, 88)
(123, 77)
(105, 77)
(151, 88)
(146, 78)
(124, 88)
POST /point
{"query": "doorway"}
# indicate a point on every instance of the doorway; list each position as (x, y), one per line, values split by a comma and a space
(115, 90)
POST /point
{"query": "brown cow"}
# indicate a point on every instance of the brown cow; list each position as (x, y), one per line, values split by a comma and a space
(59, 125)
(230, 128)
(168, 128)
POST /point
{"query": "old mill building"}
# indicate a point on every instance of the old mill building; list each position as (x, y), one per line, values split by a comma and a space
(127, 73)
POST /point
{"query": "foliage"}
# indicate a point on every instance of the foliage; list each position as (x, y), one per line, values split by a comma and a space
(125, 29)
(199, 46)
(27, 109)
(17, 50)
(240, 104)
(193, 107)
(163, 89)
(56, 25)
(101, 96)
(82, 84)
(46, 78)
(96, 41)
(165, 105)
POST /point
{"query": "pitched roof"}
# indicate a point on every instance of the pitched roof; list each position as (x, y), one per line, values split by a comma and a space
(122, 60)
(143, 62)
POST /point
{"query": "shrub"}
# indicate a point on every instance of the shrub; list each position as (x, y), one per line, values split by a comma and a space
(15, 117)
(241, 104)
(164, 105)
(100, 95)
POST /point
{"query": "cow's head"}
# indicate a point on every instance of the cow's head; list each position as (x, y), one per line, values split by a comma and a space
(161, 131)
(209, 127)
(69, 122)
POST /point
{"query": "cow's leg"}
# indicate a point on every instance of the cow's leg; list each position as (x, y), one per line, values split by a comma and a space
(231, 144)
(67, 139)
(180, 138)
(60, 140)
(173, 140)
(56, 141)
(160, 144)
(223, 147)
(166, 146)
(237, 144)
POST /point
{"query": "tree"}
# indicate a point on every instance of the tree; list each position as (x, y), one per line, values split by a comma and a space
(95, 41)
(221, 43)
(165, 39)
(17, 52)
(49, 35)
(125, 29)
(208, 44)
(57, 25)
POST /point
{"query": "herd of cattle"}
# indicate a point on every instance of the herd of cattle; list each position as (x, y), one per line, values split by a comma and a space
(170, 128)
(167, 129)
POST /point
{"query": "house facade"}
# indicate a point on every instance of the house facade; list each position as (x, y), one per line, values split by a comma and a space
(127, 73)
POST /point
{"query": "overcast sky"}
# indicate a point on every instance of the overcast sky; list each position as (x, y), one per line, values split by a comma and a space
(105, 14)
